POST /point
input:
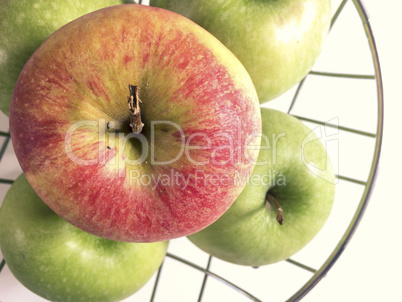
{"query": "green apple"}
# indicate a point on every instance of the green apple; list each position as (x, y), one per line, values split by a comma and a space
(59, 262)
(286, 202)
(24, 25)
(278, 41)
(135, 179)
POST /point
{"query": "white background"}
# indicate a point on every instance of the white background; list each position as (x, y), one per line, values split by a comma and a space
(370, 267)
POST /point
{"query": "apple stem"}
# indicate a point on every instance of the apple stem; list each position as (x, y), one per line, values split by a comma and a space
(271, 199)
(135, 110)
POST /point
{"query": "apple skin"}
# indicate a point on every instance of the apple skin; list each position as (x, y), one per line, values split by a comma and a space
(248, 233)
(93, 177)
(24, 25)
(59, 262)
(277, 41)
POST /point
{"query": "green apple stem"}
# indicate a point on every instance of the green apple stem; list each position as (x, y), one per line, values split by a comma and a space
(271, 199)
(135, 110)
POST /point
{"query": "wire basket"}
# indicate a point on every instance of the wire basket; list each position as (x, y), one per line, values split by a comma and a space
(345, 106)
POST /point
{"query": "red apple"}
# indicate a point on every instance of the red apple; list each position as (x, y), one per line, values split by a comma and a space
(74, 118)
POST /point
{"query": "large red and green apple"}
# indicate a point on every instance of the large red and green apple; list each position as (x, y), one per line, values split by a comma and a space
(76, 124)
(278, 41)
(24, 25)
(59, 262)
(286, 202)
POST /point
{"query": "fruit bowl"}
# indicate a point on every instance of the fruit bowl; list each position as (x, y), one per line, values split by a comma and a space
(342, 101)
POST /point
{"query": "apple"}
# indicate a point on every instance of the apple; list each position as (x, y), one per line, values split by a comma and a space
(286, 202)
(24, 25)
(277, 41)
(59, 262)
(131, 122)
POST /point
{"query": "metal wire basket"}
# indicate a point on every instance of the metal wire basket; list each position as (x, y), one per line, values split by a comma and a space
(189, 274)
